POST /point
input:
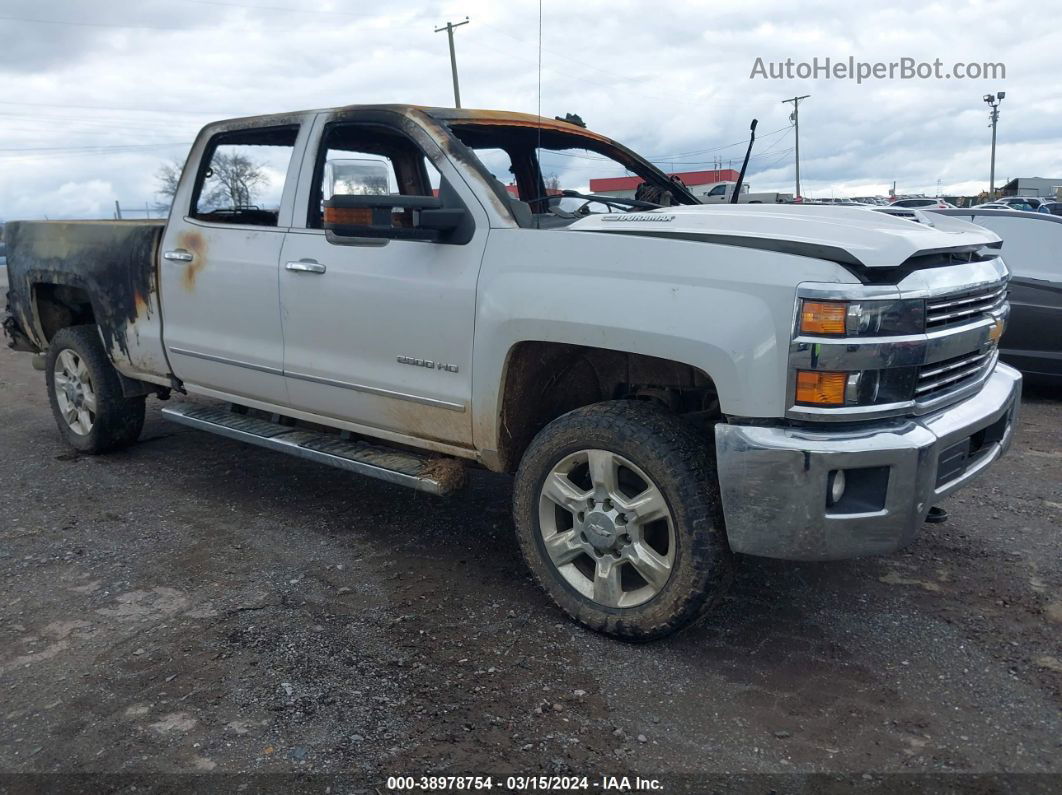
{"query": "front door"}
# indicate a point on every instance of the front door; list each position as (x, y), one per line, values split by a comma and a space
(219, 261)
(379, 332)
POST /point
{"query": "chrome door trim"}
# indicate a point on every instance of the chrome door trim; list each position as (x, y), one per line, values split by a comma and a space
(372, 390)
(209, 357)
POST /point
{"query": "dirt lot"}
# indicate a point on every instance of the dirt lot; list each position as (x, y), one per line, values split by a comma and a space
(195, 605)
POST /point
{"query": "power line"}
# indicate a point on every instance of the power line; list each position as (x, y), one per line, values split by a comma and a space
(88, 148)
(122, 25)
(288, 9)
(106, 107)
(35, 21)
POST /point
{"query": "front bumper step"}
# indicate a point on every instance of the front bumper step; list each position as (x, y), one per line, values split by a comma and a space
(434, 475)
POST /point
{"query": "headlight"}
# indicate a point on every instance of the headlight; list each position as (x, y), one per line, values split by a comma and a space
(861, 318)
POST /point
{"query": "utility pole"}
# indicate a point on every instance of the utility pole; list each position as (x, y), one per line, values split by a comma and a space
(795, 118)
(993, 117)
(449, 28)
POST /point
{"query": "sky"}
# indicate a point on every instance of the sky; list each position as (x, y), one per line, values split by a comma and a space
(97, 94)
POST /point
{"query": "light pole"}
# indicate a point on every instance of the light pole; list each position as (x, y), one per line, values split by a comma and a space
(993, 101)
(449, 28)
(795, 118)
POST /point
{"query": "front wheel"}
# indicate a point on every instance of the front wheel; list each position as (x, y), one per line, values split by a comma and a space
(618, 515)
(86, 394)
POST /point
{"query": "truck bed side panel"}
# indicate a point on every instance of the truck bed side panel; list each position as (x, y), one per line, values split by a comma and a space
(114, 262)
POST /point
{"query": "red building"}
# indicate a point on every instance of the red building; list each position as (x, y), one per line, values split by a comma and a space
(625, 186)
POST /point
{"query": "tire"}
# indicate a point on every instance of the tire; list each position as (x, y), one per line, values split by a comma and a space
(86, 394)
(574, 557)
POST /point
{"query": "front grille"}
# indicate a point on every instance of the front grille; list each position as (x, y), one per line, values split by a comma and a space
(958, 308)
(951, 374)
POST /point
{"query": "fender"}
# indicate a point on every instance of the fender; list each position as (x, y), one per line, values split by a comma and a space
(727, 311)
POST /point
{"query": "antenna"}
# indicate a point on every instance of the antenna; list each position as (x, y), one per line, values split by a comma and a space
(744, 166)
(539, 82)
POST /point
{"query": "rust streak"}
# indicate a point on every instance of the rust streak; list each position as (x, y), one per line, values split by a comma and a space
(194, 242)
(140, 304)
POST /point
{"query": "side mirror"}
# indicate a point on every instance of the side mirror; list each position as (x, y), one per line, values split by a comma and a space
(356, 177)
(392, 217)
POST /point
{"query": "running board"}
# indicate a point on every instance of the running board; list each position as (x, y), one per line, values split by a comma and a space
(438, 475)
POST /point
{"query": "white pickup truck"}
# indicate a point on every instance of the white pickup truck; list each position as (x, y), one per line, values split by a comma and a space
(723, 193)
(669, 385)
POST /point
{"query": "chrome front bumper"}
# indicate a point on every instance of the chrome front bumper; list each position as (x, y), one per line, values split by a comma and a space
(774, 480)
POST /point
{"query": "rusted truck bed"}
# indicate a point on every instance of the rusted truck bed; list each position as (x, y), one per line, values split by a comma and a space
(63, 272)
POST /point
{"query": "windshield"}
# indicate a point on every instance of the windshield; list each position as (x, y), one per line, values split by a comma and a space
(545, 167)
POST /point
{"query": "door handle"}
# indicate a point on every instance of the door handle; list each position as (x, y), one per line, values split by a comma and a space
(306, 266)
(178, 255)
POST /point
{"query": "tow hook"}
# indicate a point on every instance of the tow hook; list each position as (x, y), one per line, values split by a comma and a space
(936, 515)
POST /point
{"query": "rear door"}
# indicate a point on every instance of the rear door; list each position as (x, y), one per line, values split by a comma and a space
(220, 257)
(379, 333)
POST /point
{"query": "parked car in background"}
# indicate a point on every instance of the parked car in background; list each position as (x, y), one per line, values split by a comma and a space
(1032, 341)
(1012, 203)
(991, 206)
(922, 203)
(1022, 202)
(1051, 208)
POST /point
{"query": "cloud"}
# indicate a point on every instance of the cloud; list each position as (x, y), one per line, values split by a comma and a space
(90, 199)
(105, 101)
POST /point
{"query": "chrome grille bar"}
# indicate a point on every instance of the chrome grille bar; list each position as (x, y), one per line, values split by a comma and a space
(963, 307)
(950, 374)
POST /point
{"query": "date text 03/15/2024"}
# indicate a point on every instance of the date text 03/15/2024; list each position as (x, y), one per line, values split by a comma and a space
(538, 783)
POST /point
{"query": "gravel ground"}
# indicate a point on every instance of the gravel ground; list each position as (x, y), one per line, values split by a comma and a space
(194, 605)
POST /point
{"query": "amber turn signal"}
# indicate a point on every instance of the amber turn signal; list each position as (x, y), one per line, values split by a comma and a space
(345, 216)
(823, 317)
(820, 388)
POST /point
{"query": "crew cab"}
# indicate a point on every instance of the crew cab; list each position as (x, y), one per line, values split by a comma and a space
(668, 385)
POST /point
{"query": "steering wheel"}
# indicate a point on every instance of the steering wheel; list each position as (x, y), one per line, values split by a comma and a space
(613, 202)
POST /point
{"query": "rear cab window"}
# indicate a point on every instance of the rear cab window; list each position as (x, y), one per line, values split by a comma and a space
(241, 176)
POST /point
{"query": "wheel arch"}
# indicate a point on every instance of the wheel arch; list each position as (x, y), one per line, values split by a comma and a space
(542, 380)
(57, 305)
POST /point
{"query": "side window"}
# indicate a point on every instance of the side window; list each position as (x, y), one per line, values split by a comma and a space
(370, 160)
(241, 178)
(718, 190)
(500, 165)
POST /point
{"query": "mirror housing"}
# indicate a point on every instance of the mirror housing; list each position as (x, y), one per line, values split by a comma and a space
(357, 177)
(375, 216)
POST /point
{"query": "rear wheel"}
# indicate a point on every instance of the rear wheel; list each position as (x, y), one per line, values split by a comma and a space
(618, 516)
(86, 394)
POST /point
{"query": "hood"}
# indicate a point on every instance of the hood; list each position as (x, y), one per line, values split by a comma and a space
(848, 235)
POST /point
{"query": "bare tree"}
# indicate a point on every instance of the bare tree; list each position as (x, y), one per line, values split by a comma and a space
(553, 184)
(233, 180)
(168, 177)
